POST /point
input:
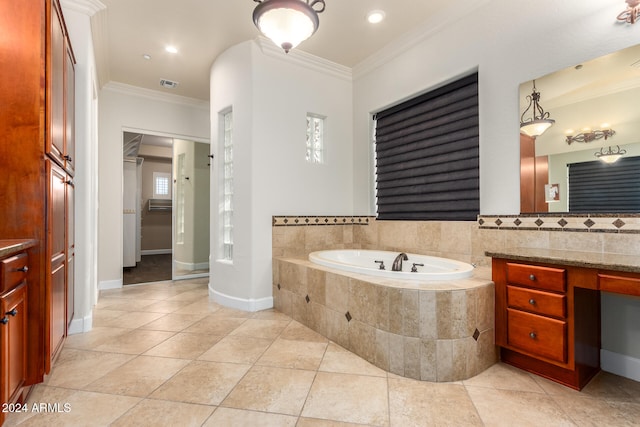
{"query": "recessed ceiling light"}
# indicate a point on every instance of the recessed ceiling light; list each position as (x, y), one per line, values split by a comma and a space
(375, 16)
(146, 56)
(171, 49)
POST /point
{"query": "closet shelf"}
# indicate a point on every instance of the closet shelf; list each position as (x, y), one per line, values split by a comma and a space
(159, 205)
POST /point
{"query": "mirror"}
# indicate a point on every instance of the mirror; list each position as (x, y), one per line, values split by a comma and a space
(586, 99)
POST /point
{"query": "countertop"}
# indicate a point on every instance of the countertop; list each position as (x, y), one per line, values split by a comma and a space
(599, 260)
(11, 246)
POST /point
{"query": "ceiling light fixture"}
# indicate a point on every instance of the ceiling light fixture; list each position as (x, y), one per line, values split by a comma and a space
(540, 121)
(590, 135)
(376, 16)
(631, 13)
(171, 49)
(288, 22)
(610, 156)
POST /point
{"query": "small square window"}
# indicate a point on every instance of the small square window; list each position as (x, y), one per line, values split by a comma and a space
(161, 185)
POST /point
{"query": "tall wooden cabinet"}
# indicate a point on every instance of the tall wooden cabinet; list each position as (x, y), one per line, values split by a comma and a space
(37, 161)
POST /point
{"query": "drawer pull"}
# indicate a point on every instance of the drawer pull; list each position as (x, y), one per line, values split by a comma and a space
(13, 312)
(532, 301)
(23, 269)
(532, 335)
(532, 277)
(4, 320)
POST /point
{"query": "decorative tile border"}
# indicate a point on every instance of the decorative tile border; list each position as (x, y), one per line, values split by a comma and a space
(591, 223)
(301, 220)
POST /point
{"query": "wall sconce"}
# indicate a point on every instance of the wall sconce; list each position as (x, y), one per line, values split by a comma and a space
(610, 155)
(288, 22)
(630, 15)
(591, 135)
(540, 121)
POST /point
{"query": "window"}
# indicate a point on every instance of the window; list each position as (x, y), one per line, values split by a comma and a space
(161, 185)
(227, 186)
(427, 155)
(315, 138)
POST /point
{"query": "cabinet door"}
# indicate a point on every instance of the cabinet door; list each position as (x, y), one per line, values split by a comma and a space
(71, 247)
(69, 133)
(55, 140)
(13, 330)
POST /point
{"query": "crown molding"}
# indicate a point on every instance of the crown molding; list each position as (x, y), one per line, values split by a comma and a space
(100, 35)
(304, 59)
(155, 95)
(414, 37)
(87, 7)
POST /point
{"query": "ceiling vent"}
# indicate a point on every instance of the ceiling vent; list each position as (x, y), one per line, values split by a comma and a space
(168, 83)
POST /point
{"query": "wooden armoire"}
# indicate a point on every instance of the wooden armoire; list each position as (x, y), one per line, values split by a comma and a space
(37, 154)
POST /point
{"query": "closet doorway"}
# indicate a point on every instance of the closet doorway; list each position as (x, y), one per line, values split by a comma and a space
(165, 208)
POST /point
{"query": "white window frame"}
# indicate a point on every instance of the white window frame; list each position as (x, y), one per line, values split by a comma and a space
(226, 193)
(157, 177)
(315, 152)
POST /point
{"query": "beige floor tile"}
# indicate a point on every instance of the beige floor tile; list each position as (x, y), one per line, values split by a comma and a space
(77, 368)
(215, 326)
(420, 403)
(505, 377)
(273, 390)
(94, 338)
(293, 354)
(40, 394)
(133, 319)
(506, 407)
(315, 422)
(84, 409)
(184, 346)
(165, 306)
(257, 328)
(191, 295)
(102, 317)
(587, 411)
(136, 341)
(603, 386)
(299, 332)
(173, 322)
(229, 417)
(270, 315)
(348, 398)
(165, 413)
(202, 382)
(128, 304)
(204, 306)
(231, 312)
(237, 349)
(138, 377)
(339, 360)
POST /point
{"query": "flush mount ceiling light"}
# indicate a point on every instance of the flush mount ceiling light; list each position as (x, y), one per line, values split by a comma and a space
(591, 135)
(631, 13)
(375, 16)
(539, 121)
(288, 22)
(610, 155)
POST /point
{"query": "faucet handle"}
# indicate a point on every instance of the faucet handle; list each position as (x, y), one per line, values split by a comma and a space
(414, 269)
(381, 264)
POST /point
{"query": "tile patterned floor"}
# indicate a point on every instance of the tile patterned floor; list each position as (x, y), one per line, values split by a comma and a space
(164, 355)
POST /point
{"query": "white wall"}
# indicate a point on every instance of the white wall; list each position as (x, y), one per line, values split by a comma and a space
(509, 42)
(270, 94)
(124, 107)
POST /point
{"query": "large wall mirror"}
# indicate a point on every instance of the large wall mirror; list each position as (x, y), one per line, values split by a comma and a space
(596, 104)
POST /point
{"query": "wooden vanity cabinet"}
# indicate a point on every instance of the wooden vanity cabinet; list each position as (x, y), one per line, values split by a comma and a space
(548, 320)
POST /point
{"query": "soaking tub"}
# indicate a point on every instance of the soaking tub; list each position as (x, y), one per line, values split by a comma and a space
(368, 262)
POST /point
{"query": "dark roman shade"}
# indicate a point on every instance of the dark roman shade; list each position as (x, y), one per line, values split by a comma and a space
(427, 162)
(600, 187)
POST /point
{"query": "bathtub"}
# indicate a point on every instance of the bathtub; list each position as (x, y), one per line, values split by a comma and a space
(364, 261)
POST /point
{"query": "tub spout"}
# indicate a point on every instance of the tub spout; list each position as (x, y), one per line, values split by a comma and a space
(397, 263)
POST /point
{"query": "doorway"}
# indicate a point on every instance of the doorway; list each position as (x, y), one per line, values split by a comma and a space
(166, 208)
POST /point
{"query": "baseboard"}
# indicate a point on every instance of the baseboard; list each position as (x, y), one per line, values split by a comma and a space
(189, 266)
(78, 326)
(251, 305)
(109, 284)
(620, 364)
(155, 252)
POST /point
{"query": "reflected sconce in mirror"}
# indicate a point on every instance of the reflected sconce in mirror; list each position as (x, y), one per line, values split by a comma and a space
(610, 155)
(631, 13)
(539, 121)
(288, 22)
(591, 135)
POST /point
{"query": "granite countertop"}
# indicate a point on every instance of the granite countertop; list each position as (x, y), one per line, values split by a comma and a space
(600, 260)
(11, 246)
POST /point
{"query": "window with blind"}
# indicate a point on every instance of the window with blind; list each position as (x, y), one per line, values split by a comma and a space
(600, 187)
(427, 155)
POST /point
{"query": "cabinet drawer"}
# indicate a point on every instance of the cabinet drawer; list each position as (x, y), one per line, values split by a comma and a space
(13, 270)
(538, 302)
(538, 335)
(552, 279)
(619, 284)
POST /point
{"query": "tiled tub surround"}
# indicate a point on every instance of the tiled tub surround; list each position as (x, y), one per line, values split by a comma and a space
(434, 331)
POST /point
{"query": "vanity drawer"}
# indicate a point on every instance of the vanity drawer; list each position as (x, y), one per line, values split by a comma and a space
(538, 335)
(619, 284)
(538, 302)
(534, 276)
(13, 271)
